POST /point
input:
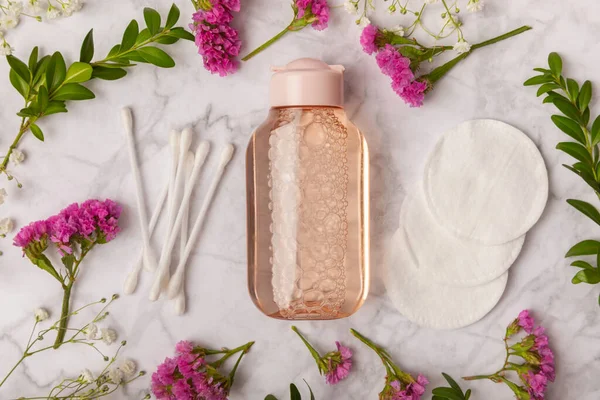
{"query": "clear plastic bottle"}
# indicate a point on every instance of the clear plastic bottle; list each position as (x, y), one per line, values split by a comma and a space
(308, 199)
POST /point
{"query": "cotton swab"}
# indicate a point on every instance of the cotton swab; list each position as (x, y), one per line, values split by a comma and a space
(149, 258)
(132, 279)
(180, 299)
(162, 274)
(177, 279)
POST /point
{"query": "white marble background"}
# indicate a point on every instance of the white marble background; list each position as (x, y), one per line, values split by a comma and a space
(85, 156)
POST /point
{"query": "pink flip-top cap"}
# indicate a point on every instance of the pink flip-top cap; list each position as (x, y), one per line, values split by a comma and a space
(307, 82)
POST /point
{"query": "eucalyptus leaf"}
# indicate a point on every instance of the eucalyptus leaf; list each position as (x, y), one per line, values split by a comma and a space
(172, 17)
(73, 91)
(130, 35)
(156, 56)
(152, 18)
(586, 208)
(20, 68)
(87, 48)
(584, 248)
(576, 151)
(37, 132)
(569, 127)
(585, 95)
(78, 72)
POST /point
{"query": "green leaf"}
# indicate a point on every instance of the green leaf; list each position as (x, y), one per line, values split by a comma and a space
(181, 33)
(543, 70)
(585, 95)
(40, 69)
(585, 117)
(55, 107)
(567, 108)
(20, 68)
(18, 83)
(143, 36)
(468, 394)
(555, 63)
(451, 382)
(157, 57)
(167, 39)
(56, 72)
(587, 276)
(546, 87)
(584, 248)
(152, 18)
(584, 172)
(33, 59)
(42, 262)
(312, 395)
(79, 72)
(586, 208)
(569, 127)
(116, 49)
(87, 48)
(270, 397)
(42, 98)
(582, 264)
(447, 393)
(130, 35)
(596, 131)
(294, 393)
(576, 151)
(37, 132)
(573, 88)
(173, 17)
(109, 74)
(26, 113)
(73, 91)
(538, 80)
(68, 261)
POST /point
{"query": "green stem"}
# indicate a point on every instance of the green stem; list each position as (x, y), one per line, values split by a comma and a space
(22, 129)
(267, 43)
(64, 316)
(476, 377)
(13, 369)
(315, 354)
(500, 38)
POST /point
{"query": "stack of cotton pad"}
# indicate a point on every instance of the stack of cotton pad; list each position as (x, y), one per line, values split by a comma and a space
(485, 185)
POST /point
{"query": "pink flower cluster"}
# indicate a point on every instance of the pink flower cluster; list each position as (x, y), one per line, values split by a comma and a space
(339, 364)
(412, 391)
(537, 380)
(217, 41)
(396, 66)
(93, 219)
(315, 11)
(184, 378)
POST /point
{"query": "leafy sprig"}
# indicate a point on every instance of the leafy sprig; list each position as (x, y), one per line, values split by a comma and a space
(48, 83)
(454, 392)
(294, 393)
(573, 100)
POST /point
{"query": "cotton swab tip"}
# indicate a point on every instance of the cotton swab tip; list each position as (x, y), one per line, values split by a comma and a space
(186, 140)
(131, 282)
(202, 151)
(226, 154)
(189, 163)
(127, 119)
(174, 139)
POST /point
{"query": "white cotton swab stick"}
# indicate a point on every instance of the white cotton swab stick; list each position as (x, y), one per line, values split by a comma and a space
(179, 302)
(162, 274)
(149, 258)
(132, 279)
(174, 137)
(177, 279)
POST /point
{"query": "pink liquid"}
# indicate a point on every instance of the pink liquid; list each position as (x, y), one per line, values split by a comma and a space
(308, 213)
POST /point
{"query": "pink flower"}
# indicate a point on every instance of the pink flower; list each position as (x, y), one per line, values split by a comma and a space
(184, 347)
(339, 364)
(526, 321)
(412, 391)
(368, 38)
(316, 12)
(34, 232)
(414, 93)
(536, 384)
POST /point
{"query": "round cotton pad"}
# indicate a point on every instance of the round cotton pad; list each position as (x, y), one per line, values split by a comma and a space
(486, 181)
(448, 259)
(432, 305)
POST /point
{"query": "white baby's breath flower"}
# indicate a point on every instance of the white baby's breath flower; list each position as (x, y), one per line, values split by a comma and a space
(399, 30)
(5, 50)
(72, 6)
(475, 5)
(115, 375)
(364, 22)
(454, 17)
(15, 7)
(9, 20)
(351, 6)
(91, 331)
(128, 367)
(34, 7)
(430, 1)
(462, 46)
(16, 157)
(108, 335)
(87, 376)
(41, 314)
(52, 12)
(3, 195)
(6, 226)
